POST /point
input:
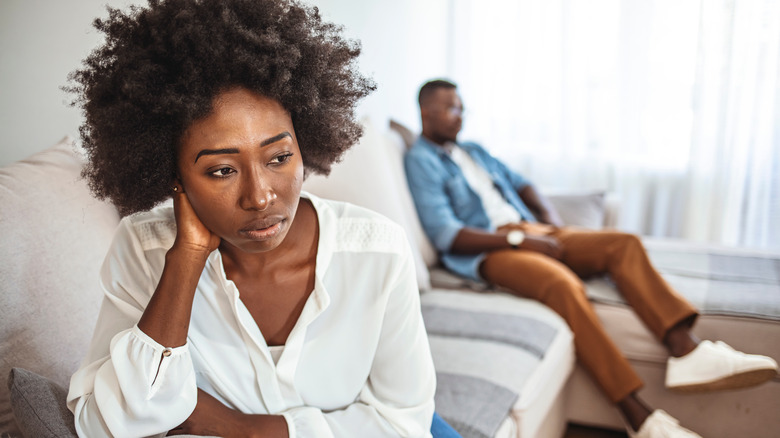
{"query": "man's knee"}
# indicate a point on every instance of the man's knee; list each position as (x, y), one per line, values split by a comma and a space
(628, 242)
(562, 287)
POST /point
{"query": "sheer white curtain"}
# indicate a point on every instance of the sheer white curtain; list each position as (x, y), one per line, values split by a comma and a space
(673, 104)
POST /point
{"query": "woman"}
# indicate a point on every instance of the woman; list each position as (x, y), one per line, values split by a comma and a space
(247, 308)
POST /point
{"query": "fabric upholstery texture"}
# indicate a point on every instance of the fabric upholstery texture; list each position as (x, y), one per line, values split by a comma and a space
(497, 360)
(39, 405)
(406, 134)
(583, 209)
(718, 281)
(54, 236)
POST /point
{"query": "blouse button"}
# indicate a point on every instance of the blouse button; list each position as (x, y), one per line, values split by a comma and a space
(167, 352)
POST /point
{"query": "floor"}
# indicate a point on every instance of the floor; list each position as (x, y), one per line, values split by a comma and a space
(576, 431)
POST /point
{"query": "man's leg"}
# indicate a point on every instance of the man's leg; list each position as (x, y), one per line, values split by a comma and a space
(694, 366)
(624, 258)
(533, 275)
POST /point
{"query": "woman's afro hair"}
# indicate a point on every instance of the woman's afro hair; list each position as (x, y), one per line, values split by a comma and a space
(162, 66)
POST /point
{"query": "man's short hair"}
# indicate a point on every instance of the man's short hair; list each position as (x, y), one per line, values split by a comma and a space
(430, 87)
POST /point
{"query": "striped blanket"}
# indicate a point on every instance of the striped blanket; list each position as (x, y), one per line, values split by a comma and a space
(483, 359)
(505, 347)
(717, 280)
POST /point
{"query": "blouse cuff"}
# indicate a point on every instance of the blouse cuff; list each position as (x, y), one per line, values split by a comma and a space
(145, 387)
(306, 422)
(139, 358)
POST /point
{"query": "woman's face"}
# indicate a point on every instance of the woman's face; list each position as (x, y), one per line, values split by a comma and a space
(242, 170)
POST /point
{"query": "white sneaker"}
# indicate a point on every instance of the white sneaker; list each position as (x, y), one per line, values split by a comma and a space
(714, 366)
(661, 425)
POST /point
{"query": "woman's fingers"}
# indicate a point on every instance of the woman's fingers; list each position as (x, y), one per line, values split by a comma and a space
(191, 233)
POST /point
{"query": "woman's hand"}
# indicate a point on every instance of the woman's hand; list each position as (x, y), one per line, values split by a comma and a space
(191, 234)
(166, 318)
(212, 418)
(547, 245)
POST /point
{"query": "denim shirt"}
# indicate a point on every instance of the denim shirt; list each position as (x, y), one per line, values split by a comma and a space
(446, 202)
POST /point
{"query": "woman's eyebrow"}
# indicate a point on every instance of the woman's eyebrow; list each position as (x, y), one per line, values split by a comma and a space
(216, 152)
(265, 142)
(275, 138)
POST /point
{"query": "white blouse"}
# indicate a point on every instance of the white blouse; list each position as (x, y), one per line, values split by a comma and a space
(356, 364)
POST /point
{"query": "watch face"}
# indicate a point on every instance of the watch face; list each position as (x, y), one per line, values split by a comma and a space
(515, 237)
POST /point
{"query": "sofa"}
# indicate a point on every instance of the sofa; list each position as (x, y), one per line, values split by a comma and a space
(736, 290)
(505, 366)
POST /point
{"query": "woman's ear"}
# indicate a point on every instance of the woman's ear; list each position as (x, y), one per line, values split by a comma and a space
(177, 185)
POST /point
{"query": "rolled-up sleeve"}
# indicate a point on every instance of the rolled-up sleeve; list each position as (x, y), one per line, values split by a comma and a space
(129, 385)
(427, 182)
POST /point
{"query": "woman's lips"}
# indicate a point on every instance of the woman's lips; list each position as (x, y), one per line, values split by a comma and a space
(263, 230)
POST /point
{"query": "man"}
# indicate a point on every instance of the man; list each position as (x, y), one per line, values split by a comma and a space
(489, 223)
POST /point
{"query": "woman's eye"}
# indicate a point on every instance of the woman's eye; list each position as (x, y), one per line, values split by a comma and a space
(222, 172)
(279, 159)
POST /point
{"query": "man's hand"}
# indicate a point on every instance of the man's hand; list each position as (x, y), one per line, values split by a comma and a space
(547, 245)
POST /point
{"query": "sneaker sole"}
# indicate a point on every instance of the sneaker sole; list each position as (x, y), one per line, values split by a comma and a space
(737, 381)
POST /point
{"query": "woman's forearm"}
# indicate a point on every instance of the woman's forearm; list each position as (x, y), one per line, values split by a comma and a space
(166, 318)
(211, 417)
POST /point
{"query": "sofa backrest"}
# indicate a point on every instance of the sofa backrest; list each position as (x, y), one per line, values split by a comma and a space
(54, 236)
(371, 174)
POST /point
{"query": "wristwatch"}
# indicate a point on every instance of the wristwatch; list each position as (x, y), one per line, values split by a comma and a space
(515, 238)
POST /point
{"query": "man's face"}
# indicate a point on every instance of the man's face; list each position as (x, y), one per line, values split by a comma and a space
(442, 116)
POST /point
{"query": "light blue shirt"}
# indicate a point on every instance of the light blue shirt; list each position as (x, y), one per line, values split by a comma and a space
(446, 202)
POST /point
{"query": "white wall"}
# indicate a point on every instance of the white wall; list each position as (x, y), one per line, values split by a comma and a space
(404, 43)
(41, 41)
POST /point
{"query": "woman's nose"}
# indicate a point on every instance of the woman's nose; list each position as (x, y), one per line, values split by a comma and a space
(256, 193)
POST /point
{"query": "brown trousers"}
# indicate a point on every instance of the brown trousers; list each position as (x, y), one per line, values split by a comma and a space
(558, 285)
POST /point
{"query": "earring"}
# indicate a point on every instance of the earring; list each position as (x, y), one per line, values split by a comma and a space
(176, 189)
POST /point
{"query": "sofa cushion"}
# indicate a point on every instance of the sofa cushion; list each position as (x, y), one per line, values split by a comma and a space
(39, 405)
(407, 136)
(394, 146)
(55, 236)
(514, 354)
(584, 209)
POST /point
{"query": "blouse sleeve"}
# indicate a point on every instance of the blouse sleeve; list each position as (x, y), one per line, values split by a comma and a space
(397, 400)
(129, 385)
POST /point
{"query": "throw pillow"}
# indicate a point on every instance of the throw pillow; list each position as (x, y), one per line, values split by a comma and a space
(39, 405)
(406, 134)
(580, 209)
